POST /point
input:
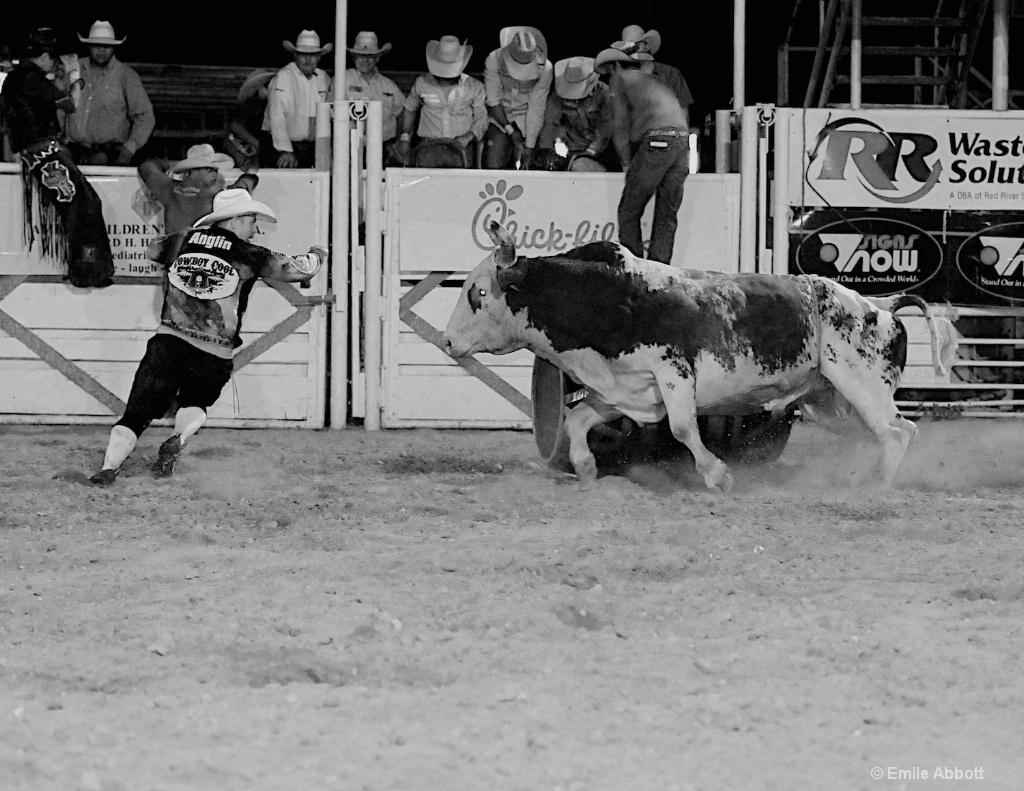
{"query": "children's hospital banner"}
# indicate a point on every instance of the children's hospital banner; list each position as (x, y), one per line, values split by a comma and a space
(133, 219)
(930, 202)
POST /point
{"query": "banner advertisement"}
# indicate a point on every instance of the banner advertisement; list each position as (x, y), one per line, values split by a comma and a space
(967, 258)
(948, 159)
(442, 216)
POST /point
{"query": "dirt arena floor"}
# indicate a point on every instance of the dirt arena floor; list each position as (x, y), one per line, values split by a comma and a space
(436, 610)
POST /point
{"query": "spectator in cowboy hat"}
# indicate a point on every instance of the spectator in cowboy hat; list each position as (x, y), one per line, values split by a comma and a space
(186, 189)
(636, 39)
(208, 271)
(650, 130)
(517, 78)
(578, 116)
(115, 117)
(288, 134)
(366, 82)
(62, 214)
(451, 108)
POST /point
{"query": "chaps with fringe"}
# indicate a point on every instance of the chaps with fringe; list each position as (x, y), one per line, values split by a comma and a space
(65, 215)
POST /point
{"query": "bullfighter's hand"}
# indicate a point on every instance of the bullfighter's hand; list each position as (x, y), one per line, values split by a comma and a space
(287, 160)
(124, 156)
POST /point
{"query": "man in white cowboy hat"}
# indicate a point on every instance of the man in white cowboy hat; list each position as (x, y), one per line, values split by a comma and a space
(451, 108)
(209, 271)
(366, 82)
(636, 39)
(650, 130)
(115, 116)
(288, 137)
(517, 78)
(186, 189)
(578, 114)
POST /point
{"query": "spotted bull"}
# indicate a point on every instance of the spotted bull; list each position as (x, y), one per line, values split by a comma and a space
(649, 340)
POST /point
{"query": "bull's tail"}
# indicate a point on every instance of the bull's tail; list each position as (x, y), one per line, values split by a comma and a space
(943, 342)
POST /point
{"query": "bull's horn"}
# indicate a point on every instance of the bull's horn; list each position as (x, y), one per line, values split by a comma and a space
(506, 253)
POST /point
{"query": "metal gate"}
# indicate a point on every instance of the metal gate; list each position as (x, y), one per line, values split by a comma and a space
(69, 355)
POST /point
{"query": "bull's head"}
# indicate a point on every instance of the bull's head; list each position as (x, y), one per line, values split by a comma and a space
(482, 320)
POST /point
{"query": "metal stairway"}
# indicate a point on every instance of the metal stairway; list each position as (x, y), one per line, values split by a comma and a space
(867, 56)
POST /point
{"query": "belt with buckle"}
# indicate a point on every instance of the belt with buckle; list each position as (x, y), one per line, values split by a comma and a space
(669, 131)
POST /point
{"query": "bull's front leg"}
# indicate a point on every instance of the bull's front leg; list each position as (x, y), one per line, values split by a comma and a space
(590, 412)
(680, 396)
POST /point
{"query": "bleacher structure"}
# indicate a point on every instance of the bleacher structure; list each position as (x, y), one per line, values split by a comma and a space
(193, 103)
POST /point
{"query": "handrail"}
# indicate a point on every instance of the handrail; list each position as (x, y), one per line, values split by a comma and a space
(792, 23)
(819, 53)
(833, 59)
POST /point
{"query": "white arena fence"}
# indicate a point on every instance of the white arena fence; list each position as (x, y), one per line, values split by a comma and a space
(362, 342)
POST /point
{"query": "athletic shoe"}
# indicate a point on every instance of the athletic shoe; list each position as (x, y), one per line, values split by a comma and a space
(167, 457)
(103, 478)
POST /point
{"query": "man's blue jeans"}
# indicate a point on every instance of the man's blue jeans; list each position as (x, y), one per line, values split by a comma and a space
(659, 167)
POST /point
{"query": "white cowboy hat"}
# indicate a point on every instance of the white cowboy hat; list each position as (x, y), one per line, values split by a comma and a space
(256, 80)
(611, 55)
(575, 77)
(102, 34)
(203, 156)
(447, 58)
(524, 52)
(308, 43)
(366, 44)
(234, 203)
(649, 41)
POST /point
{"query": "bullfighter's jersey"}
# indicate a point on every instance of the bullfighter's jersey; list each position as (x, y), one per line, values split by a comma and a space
(209, 273)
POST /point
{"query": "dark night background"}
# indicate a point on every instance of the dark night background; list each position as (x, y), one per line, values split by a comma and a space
(695, 37)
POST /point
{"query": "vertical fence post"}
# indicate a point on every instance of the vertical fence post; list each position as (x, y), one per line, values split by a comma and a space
(748, 189)
(374, 302)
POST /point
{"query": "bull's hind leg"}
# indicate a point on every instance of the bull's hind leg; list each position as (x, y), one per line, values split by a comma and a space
(680, 397)
(581, 418)
(872, 397)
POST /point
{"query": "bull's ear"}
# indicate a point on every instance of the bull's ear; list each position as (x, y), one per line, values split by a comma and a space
(505, 255)
(510, 277)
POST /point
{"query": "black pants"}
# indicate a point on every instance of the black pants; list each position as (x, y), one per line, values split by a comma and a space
(173, 371)
(304, 150)
(54, 188)
(100, 154)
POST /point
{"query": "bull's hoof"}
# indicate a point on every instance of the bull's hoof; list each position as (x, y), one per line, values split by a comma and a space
(725, 483)
(586, 471)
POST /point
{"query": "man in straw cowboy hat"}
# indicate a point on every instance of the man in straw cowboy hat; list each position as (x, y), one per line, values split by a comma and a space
(61, 209)
(186, 189)
(451, 108)
(650, 131)
(289, 124)
(579, 115)
(115, 117)
(636, 39)
(517, 78)
(209, 271)
(367, 83)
